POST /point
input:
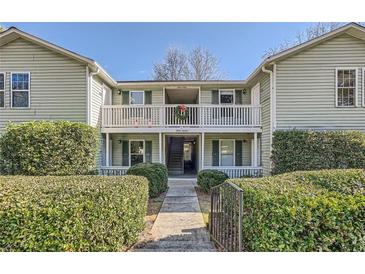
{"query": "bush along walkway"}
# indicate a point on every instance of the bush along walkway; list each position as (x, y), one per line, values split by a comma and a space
(179, 225)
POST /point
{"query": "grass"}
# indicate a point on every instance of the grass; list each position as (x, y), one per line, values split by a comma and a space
(204, 203)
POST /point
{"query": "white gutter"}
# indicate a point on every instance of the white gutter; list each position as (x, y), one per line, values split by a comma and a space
(272, 95)
(272, 74)
(90, 94)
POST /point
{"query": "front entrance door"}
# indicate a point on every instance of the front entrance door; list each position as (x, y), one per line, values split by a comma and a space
(190, 156)
(181, 155)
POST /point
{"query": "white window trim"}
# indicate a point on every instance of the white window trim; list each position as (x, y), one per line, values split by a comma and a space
(3, 90)
(356, 86)
(225, 90)
(130, 149)
(363, 87)
(130, 97)
(11, 89)
(234, 151)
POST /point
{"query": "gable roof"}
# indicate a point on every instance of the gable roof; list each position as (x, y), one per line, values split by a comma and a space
(352, 29)
(13, 33)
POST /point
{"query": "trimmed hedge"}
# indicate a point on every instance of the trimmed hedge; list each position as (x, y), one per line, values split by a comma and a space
(305, 211)
(156, 174)
(310, 150)
(209, 178)
(48, 148)
(71, 213)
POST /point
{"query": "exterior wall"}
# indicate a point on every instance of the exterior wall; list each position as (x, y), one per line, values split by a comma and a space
(305, 87)
(206, 97)
(97, 100)
(57, 84)
(246, 146)
(266, 124)
(117, 147)
(157, 97)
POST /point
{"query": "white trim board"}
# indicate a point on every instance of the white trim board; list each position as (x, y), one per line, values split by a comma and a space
(3, 90)
(11, 89)
(356, 86)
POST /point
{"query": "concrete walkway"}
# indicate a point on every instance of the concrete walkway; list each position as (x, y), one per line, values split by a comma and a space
(179, 226)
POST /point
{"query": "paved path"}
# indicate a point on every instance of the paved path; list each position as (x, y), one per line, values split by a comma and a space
(179, 226)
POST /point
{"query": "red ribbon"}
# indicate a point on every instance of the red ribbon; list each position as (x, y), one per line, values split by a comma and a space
(182, 108)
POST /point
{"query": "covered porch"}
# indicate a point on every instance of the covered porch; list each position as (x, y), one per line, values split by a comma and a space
(236, 154)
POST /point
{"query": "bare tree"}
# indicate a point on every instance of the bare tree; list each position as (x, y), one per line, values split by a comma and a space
(198, 64)
(310, 33)
(203, 65)
(174, 67)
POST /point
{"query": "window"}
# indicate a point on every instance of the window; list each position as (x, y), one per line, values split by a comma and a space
(226, 96)
(137, 97)
(137, 152)
(20, 86)
(346, 87)
(226, 152)
(2, 90)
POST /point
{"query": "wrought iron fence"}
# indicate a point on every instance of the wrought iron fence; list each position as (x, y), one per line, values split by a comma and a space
(226, 216)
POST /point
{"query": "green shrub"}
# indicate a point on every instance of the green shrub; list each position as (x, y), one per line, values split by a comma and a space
(71, 213)
(48, 148)
(310, 150)
(155, 173)
(209, 178)
(305, 211)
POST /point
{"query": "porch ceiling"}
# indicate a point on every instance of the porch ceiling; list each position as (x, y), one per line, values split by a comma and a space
(182, 95)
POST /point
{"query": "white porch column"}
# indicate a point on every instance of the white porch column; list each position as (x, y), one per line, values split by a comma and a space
(107, 149)
(254, 162)
(160, 146)
(202, 152)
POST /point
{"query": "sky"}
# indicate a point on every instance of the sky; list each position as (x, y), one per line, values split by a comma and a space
(128, 50)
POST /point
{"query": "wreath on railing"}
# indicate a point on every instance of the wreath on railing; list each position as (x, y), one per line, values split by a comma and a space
(181, 112)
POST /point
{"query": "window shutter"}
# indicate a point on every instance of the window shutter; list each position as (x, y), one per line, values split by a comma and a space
(148, 151)
(148, 97)
(125, 153)
(238, 156)
(215, 152)
(125, 97)
(215, 97)
(238, 99)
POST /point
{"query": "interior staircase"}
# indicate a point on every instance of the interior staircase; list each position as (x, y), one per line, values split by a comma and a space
(175, 163)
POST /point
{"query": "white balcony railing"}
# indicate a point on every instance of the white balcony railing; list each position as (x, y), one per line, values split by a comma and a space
(238, 171)
(231, 171)
(166, 116)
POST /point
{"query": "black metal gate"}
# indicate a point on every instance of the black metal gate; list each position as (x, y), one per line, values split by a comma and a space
(226, 216)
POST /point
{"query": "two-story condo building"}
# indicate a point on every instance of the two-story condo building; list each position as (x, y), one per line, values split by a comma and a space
(188, 125)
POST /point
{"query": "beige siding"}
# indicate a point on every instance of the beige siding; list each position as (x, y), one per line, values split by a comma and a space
(157, 97)
(116, 98)
(206, 97)
(96, 101)
(246, 146)
(117, 147)
(266, 124)
(58, 84)
(246, 97)
(306, 87)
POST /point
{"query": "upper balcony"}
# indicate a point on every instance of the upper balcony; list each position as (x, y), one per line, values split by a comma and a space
(196, 117)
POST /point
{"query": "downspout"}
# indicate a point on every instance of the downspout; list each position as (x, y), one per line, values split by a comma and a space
(272, 74)
(90, 97)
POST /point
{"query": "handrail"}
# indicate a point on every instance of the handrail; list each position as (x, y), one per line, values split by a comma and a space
(172, 105)
(167, 116)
